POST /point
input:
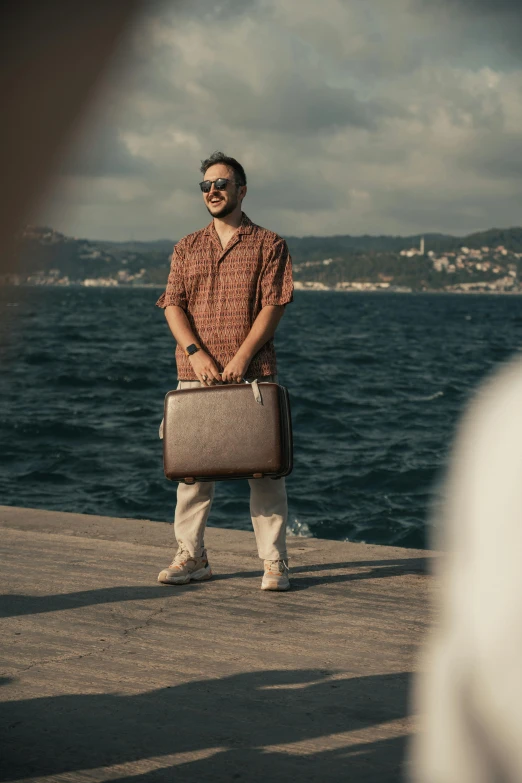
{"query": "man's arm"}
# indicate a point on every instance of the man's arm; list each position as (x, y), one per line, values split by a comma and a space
(201, 362)
(262, 330)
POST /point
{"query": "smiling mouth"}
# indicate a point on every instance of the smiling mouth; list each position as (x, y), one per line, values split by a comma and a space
(215, 200)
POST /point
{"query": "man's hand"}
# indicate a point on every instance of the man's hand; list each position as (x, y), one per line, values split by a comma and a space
(205, 368)
(235, 369)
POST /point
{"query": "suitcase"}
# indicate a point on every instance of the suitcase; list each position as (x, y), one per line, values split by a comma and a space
(229, 431)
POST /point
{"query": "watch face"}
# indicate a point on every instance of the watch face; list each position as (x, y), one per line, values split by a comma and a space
(192, 349)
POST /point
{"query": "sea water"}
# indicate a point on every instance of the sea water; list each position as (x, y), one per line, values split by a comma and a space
(377, 385)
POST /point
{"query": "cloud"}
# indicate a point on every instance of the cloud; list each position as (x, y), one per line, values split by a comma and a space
(489, 8)
(492, 26)
(496, 161)
(348, 117)
(222, 10)
(291, 103)
(100, 153)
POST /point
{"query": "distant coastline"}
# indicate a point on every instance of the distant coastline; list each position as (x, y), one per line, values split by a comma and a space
(488, 262)
(299, 286)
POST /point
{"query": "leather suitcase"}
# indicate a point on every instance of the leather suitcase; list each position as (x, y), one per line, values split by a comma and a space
(229, 431)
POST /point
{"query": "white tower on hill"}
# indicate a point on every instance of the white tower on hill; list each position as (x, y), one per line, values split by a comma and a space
(421, 249)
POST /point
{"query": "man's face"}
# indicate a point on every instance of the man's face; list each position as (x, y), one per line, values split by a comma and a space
(221, 203)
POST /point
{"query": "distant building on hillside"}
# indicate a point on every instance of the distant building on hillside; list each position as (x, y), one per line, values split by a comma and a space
(414, 251)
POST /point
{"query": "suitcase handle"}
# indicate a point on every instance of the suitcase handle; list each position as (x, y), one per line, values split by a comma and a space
(255, 389)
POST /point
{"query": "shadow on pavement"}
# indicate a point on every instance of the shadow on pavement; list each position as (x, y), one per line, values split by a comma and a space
(15, 604)
(241, 716)
(374, 762)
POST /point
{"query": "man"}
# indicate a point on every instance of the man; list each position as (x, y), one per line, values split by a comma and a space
(226, 293)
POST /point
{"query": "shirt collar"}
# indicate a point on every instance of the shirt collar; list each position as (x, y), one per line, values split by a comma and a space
(245, 227)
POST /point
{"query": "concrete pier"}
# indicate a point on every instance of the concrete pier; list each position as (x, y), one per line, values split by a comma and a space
(108, 675)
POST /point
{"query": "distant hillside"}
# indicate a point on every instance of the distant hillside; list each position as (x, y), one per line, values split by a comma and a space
(153, 246)
(42, 249)
(48, 254)
(511, 238)
(316, 248)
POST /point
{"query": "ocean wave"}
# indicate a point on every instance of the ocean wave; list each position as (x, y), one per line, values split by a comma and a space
(376, 390)
(299, 529)
(429, 398)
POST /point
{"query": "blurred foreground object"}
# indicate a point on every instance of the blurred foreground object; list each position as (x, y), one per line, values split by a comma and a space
(470, 698)
(52, 53)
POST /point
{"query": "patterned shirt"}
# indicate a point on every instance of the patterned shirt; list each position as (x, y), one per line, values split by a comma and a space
(223, 290)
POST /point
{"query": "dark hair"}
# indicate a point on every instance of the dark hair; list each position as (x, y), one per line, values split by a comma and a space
(232, 163)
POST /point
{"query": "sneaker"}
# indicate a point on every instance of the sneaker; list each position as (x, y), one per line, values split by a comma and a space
(186, 568)
(276, 575)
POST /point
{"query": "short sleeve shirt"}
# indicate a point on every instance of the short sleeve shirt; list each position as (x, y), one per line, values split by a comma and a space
(223, 290)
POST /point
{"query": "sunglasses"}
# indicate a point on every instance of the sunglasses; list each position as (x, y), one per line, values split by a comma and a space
(220, 184)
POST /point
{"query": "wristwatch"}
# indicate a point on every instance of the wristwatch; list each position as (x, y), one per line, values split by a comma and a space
(190, 349)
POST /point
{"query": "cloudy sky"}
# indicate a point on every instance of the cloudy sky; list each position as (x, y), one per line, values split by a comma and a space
(349, 116)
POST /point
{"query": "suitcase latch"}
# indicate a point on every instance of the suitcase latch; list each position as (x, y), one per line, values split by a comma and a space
(189, 480)
(257, 475)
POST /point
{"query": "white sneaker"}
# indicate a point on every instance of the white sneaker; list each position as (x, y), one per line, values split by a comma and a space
(186, 568)
(276, 575)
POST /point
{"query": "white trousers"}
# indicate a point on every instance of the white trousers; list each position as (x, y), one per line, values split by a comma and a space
(268, 509)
